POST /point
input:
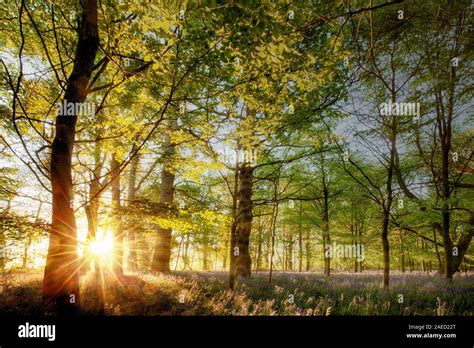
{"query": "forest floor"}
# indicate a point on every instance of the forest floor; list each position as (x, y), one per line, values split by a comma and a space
(205, 293)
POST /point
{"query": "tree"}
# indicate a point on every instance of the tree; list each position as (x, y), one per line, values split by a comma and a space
(61, 277)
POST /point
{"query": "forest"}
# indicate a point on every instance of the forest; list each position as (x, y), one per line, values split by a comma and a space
(231, 157)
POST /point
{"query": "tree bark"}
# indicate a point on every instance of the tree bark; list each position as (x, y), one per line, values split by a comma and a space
(131, 195)
(259, 245)
(116, 207)
(92, 208)
(326, 235)
(186, 265)
(463, 243)
(300, 239)
(308, 251)
(244, 222)
(61, 275)
(205, 252)
(232, 231)
(290, 251)
(273, 230)
(29, 240)
(162, 252)
(387, 204)
(402, 254)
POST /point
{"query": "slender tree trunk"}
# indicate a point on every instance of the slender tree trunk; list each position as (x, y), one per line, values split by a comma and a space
(385, 227)
(116, 207)
(29, 240)
(25, 253)
(61, 275)
(131, 196)
(424, 267)
(3, 251)
(92, 208)
(273, 236)
(359, 231)
(205, 252)
(354, 240)
(162, 252)
(387, 205)
(308, 251)
(289, 256)
(259, 245)
(440, 263)
(273, 229)
(448, 243)
(386, 250)
(224, 255)
(186, 254)
(300, 239)
(326, 235)
(402, 254)
(179, 253)
(444, 130)
(409, 259)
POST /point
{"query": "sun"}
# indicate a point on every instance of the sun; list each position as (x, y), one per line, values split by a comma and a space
(102, 246)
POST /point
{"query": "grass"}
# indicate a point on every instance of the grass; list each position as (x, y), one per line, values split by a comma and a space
(205, 293)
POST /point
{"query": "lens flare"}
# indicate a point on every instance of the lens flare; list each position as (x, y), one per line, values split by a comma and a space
(102, 246)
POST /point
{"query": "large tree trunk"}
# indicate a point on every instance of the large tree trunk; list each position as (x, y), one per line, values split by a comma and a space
(116, 207)
(232, 250)
(162, 253)
(244, 222)
(61, 277)
(463, 243)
